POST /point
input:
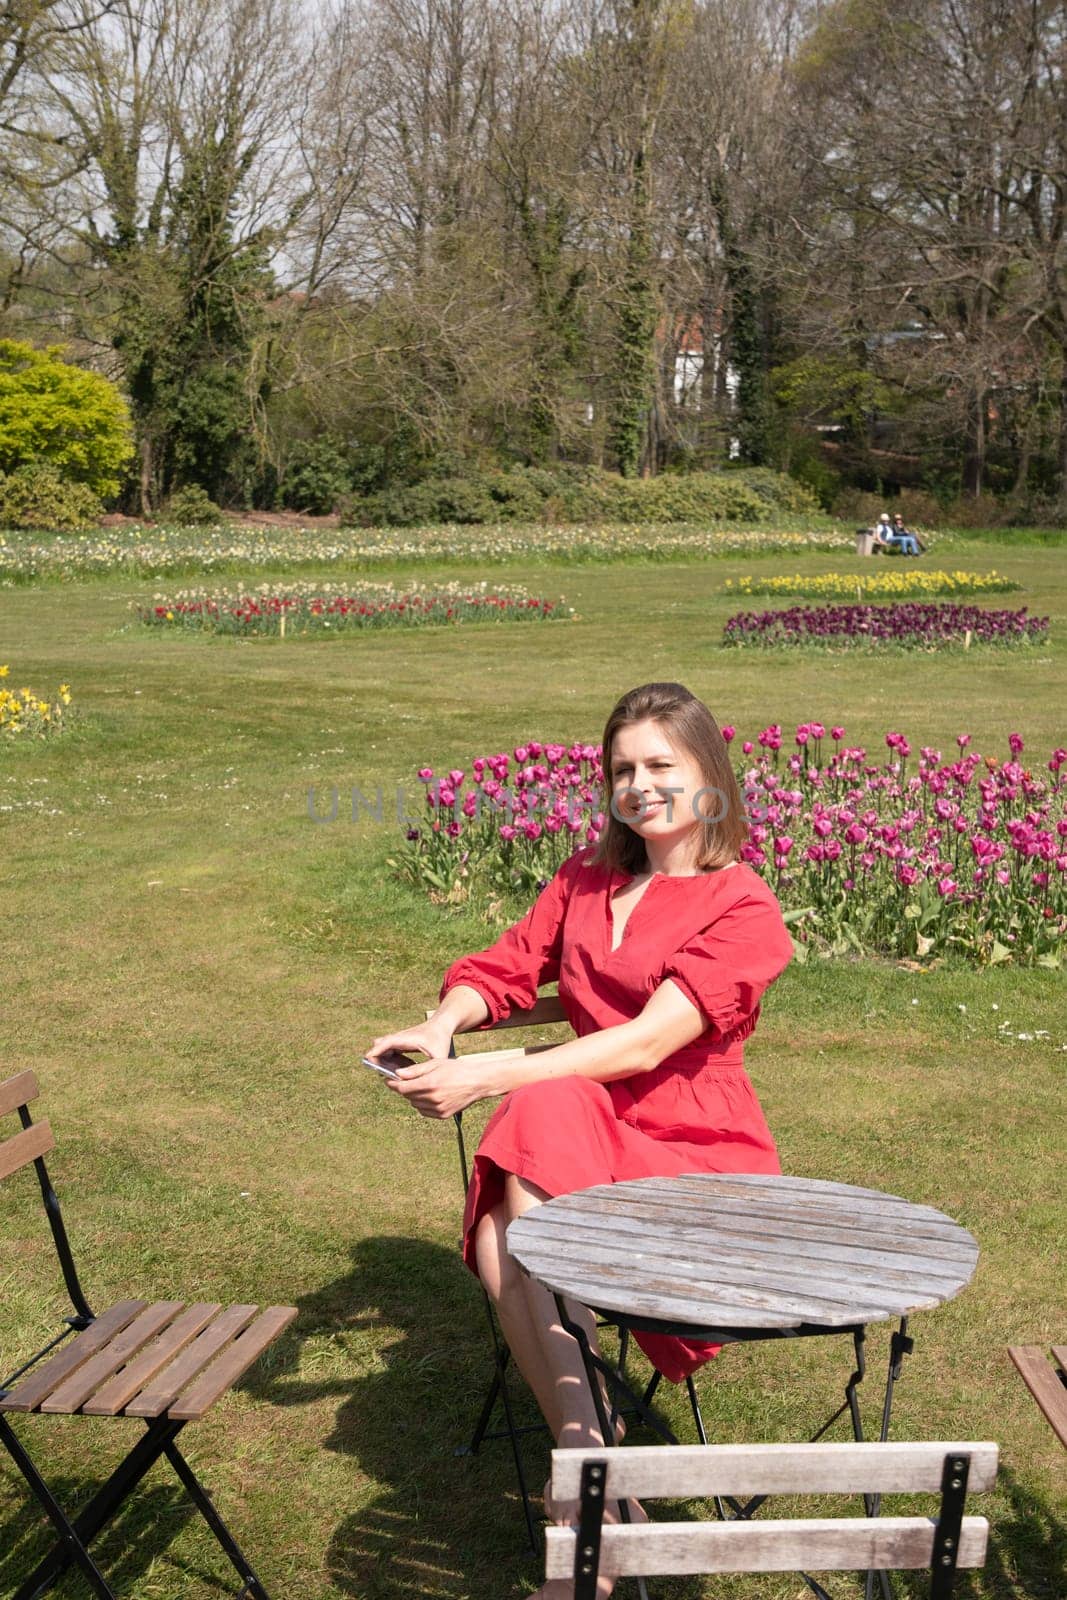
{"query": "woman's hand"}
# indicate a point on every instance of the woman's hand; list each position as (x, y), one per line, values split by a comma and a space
(425, 1037)
(442, 1085)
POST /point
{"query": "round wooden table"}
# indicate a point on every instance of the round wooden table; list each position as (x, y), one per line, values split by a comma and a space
(728, 1257)
(731, 1258)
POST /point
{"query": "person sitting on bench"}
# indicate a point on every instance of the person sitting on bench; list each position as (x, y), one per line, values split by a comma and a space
(898, 536)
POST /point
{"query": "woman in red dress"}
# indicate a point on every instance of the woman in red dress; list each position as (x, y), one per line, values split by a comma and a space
(662, 943)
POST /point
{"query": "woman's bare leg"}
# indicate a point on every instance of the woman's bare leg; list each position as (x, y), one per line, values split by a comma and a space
(503, 1281)
(547, 1356)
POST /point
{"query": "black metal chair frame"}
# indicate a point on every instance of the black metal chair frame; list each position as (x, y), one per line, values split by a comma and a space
(74, 1535)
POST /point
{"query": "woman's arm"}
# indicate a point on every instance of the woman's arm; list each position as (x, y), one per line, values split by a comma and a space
(440, 1087)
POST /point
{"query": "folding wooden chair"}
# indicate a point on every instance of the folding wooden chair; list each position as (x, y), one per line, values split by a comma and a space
(547, 1010)
(652, 1549)
(162, 1361)
(1047, 1383)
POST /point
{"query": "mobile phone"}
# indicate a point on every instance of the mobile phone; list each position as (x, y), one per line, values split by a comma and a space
(385, 1066)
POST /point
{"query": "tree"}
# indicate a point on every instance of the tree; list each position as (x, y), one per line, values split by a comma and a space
(905, 100)
(182, 196)
(58, 415)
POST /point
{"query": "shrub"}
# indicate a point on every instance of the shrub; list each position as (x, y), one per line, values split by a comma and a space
(919, 510)
(317, 478)
(38, 497)
(193, 507)
(527, 494)
(56, 415)
(459, 500)
(778, 490)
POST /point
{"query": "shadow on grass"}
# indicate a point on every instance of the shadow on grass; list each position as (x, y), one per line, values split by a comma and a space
(447, 1527)
(440, 1525)
(1027, 1556)
(126, 1552)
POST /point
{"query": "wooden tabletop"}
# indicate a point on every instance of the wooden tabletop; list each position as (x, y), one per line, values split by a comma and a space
(708, 1251)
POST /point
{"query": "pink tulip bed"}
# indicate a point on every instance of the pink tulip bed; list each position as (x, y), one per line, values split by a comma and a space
(892, 855)
(904, 626)
(301, 609)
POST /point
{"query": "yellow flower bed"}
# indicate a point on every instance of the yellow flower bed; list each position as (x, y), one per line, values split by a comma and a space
(25, 711)
(891, 585)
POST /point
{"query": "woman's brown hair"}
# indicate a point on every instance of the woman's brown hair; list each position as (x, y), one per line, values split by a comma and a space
(689, 724)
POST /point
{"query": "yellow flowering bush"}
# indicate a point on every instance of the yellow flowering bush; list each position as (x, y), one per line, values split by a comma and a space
(894, 585)
(25, 712)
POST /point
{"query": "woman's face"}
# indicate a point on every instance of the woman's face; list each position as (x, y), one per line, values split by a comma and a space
(655, 784)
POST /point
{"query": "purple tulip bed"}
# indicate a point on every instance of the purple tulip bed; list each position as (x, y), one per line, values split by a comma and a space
(912, 625)
(965, 855)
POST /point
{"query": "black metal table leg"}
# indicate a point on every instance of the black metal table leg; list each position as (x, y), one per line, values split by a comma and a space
(900, 1345)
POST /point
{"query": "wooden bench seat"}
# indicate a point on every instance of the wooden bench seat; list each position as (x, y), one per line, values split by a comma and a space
(142, 1360)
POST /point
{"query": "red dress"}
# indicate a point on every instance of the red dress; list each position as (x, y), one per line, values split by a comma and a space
(720, 937)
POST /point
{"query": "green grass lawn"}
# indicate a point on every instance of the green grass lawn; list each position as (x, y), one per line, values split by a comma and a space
(192, 966)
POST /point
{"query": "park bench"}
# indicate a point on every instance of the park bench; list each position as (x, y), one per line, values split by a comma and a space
(855, 1543)
(162, 1362)
(1047, 1383)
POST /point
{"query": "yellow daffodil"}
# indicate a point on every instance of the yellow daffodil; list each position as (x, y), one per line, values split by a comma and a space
(893, 585)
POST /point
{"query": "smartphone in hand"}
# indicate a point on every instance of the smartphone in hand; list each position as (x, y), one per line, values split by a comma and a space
(387, 1065)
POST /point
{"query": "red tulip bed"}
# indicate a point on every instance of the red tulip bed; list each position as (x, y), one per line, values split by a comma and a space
(302, 609)
(964, 855)
(904, 626)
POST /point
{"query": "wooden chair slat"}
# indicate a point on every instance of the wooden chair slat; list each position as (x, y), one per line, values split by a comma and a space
(17, 1091)
(547, 1009)
(25, 1147)
(831, 1544)
(34, 1388)
(1060, 1353)
(236, 1360)
(167, 1385)
(1044, 1384)
(513, 1053)
(118, 1391)
(692, 1471)
(72, 1393)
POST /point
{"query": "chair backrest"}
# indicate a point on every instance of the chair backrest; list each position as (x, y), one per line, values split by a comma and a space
(547, 1009)
(35, 1138)
(805, 1544)
(31, 1145)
